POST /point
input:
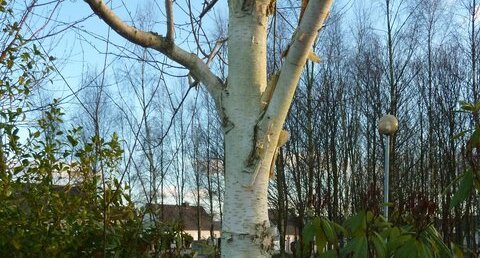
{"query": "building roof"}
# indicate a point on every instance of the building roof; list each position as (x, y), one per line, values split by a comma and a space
(292, 227)
(185, 214)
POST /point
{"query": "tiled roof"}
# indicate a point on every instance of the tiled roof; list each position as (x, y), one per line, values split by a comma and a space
(292, 222)
(185, 214)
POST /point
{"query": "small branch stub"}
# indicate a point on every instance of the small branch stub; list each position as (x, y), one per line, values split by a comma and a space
(388, 125)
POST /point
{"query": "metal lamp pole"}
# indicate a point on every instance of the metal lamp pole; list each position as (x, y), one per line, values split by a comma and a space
(387, 125)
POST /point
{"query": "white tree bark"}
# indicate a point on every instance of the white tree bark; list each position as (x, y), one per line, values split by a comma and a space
(251, 144)
(252, 128)
(245, 220)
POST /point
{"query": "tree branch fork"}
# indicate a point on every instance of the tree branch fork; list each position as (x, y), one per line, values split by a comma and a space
(277, 97)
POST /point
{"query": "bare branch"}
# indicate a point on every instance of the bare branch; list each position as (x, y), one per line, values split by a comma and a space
(271, 121)
(152, 40)
(207, 8)
(170, 27)
(299, 51)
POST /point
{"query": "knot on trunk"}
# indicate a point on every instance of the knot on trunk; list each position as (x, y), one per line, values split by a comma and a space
(264, 235)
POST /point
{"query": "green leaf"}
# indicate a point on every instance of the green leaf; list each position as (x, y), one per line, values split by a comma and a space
(457, 251)
(454, 182)
(16, 244)
(360, 248)
(339, 228)
(25, 56)
(357, 223)
(464, 190)
(423, 250)
(328, 254)
(329, 232)
(36, 51)
(407, 250)
(396, 239)
(436, 242)
(320, 241)
(309, 231)
(379, 244)
(466, 106)
(72, 140)
(459, 135)
(9, 63)
(475, 138)
(36, 134)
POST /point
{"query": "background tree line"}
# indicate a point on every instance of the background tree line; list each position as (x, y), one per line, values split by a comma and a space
(418, 67)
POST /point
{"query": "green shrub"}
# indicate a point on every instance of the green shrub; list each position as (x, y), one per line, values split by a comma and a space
(368, 235)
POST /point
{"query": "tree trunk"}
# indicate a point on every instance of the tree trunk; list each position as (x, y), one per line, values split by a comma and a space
(251, 139)
(245, 231)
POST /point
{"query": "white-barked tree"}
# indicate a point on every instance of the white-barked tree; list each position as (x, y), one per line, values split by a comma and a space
(252, 107)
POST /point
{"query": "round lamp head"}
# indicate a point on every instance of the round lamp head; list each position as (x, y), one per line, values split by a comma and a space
(388, 125)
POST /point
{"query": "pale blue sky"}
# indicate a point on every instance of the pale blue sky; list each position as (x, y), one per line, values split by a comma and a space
(73, 47)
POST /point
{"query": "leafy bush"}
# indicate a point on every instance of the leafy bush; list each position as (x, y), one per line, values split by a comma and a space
(368, 235)
(59, 197)
(43, 219)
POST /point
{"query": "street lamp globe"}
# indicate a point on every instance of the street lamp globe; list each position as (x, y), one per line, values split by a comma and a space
(388, 125)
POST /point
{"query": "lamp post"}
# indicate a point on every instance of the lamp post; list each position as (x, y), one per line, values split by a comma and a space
(387, 125)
